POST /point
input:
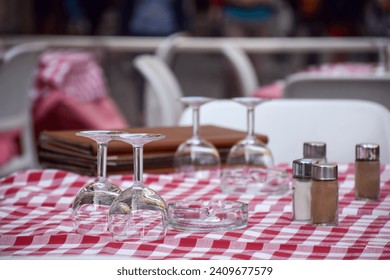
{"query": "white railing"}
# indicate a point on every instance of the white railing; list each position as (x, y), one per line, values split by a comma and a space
(202, 44)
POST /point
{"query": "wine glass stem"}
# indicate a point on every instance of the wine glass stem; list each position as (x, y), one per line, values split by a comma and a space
(138, 163)
(101, 159)
(250, 122)
(195, 122)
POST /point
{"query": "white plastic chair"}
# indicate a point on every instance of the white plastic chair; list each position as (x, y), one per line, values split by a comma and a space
(162, 107)
(221, 112)
(290, 122)
(243, 68)
(16, 82)
(166, 49)
(366, 87)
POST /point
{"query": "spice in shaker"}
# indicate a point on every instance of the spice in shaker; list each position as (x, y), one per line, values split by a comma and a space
(324, 194)
(367, 172)
(301, 184)
(315, 150)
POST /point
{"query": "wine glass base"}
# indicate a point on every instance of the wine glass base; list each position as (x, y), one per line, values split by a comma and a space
(256, 181)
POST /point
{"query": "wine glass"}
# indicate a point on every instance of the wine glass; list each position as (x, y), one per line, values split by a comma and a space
(196, 157)
(138, 213)
(92, 203)
(250, 151)
(249, 165)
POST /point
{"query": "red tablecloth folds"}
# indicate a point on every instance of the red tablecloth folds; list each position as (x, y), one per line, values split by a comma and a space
(35, 222)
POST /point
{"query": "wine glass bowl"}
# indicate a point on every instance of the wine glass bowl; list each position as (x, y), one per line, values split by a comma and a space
(139, 212)
(250, 151)
(250, 165)
(92, 203)
(196, 157)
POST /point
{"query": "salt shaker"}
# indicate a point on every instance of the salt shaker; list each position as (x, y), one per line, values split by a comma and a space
(315, 150)
(367, 172)
(324, 194)
(301, 184)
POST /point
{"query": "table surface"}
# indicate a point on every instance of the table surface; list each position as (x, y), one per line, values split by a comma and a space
(35, 223)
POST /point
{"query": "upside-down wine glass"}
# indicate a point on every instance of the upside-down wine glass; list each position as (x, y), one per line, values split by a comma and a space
(196, 157)
(92, 203)
(250, 151)
(249, 162)
(138, 213)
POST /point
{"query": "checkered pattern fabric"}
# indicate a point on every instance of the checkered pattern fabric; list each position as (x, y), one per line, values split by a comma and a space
(35, 222)
(74, 73)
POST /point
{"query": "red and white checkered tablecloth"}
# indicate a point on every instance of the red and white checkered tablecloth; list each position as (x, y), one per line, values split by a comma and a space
(35, 222)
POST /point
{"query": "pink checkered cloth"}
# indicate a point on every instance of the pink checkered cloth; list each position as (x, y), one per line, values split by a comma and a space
(275, 90)
(70, 89)
(35, 222)
(75, 73)
(70, 92)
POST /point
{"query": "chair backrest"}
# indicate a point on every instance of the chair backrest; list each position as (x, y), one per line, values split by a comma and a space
(243, 68)
(16, 83)
(166, 49)
(221, 112)
(366, 87)
(162, 107)
(290, 122)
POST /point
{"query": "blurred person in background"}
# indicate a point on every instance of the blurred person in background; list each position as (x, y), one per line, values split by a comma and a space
(244, 18)
(377, 18)
(343, 18)
(256, 19)
(308, 22)
(50, 16)
(148, 18)
(93, 11)
(152, 17)
(308, 18)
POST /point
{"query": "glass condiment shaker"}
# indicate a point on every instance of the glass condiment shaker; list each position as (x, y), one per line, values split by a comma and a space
(315, 150)
(324, 194)
(367, 172)
(301, 184)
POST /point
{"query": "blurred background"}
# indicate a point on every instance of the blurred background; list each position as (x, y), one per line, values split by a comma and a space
(199, 73)
(84, 72)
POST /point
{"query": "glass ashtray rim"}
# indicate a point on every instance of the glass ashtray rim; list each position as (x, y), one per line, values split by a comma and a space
(247, 169)
(199, 225)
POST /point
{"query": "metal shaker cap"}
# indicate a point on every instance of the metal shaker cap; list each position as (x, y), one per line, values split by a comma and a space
(324, 171)
(367, 151)
(314, 150)
(302, 168)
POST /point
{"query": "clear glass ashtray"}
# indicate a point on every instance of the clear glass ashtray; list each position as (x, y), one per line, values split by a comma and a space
(214, 215)
(258, 181)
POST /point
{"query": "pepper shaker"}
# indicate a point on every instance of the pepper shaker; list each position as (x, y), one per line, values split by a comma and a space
(367, 172)
(324, 194)
(301, 184)
(315, 150)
